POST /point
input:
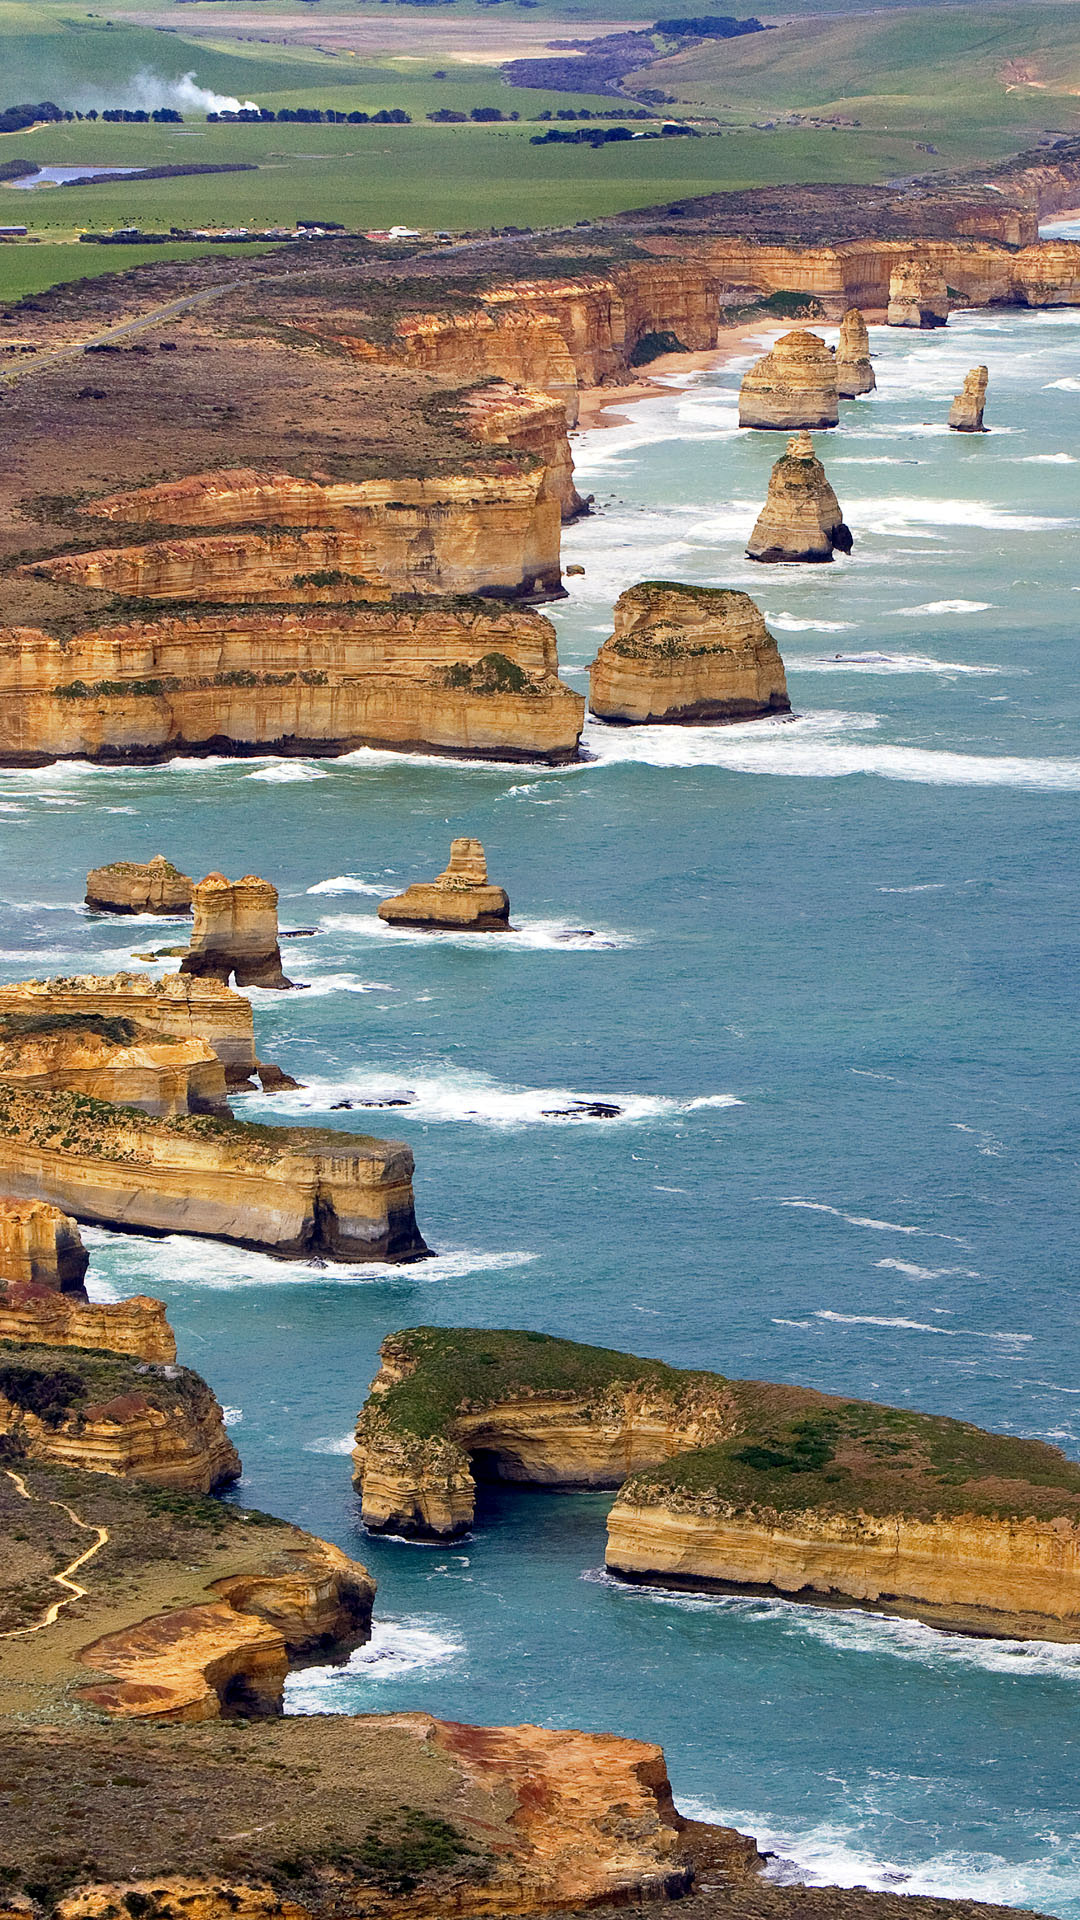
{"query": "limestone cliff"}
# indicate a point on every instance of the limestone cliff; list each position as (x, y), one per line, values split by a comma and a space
(526, 1408)
(918, 296)
(291, 1191)
(683, 653)
(498, 414)
(111, 1059)
(493, 532)
(966, 412)
(854, 369)
(232, 1654)
(793, 385)
(177, 1008)
(131, 886)
(801, 518)
(105, 1414)
(40, 1247)
(38, 1317)
(458, 677)
(235, 932)
(460, 897)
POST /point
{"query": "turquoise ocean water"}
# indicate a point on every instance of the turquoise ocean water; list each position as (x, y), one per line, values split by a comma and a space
(832, 984)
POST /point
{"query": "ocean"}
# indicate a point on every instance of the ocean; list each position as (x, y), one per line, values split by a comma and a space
(826, 967)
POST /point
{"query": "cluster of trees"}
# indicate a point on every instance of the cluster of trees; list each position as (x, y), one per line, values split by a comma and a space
(597, 113)
(17, 119)
(315, 116)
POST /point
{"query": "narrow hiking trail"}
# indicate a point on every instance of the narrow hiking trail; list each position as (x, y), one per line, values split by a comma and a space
(63, 1579)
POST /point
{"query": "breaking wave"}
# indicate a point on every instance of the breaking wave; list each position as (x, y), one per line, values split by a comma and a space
(456, 1097)
(396, 1648)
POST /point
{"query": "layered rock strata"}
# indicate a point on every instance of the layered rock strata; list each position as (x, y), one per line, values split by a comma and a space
(294, 1192)
(476, 680)
(231, 1655)
(36, 1316)
(918, 295)
(740, 1483)
(687, 654)
(40, 1247)
(177, 1008)
(110, 1058)
(495, 532)
(858, 272)
(966, 412)
(131, 886)
(793, 385)
(104, 1414)
(801, 518)
(854, 368)
(460, 897)
(235, 933)
(529, 422)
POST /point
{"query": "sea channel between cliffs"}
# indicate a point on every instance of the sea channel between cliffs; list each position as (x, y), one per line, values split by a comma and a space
(858, 925)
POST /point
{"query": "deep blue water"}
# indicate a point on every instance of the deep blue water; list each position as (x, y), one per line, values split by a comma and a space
(833, 984)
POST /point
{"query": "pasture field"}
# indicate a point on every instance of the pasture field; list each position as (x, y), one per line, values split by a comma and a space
(29, 270)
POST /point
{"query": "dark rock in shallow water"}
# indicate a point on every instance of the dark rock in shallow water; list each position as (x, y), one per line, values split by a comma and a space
(583, 1110)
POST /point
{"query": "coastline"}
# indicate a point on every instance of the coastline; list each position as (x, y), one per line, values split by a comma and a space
(594, 402)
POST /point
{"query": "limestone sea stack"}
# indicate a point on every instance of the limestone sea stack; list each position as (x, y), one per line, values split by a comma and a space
(111, 1059)
(801, 518)
(296, 1192)
(687, 654)
(918, 295)
(793, 385)
(460, 897)
(966, 412)
(179, 1007)
(235, 932)
(854, 370)
(41, 1247)
(132, 886)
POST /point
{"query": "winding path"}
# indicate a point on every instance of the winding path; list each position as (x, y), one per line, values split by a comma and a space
(63, 1579)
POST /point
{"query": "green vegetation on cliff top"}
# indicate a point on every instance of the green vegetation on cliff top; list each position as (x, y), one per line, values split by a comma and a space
(59, 1120)
(793, 1448)
(57, 1385)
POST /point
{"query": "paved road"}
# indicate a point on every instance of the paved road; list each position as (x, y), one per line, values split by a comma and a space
(33, 363)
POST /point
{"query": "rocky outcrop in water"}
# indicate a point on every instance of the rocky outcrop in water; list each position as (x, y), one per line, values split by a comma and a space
(854, 369)
(40, 1247)
(131, 886)
(801, 518)
(793, 385)
(460, 897)
(107, 1414)
(235, 933)
(966, 412)
(35, 1316)
(111, 1058)
(177, 1008)
(682, 653)
(295, 1192)
(918, 295)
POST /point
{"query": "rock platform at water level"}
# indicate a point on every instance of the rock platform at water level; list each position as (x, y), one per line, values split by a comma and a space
(461, 897)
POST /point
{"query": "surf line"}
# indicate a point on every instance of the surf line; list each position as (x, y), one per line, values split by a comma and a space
(62, 1579)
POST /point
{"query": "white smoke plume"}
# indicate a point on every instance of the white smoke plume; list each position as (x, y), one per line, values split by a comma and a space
(147, 90)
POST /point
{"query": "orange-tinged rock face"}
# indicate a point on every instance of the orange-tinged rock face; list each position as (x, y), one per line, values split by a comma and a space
(793, 385)
(36, 1316)
(175, 1008)
(801, 518)
(235, 931)
(131, 886)
(459, 897)
(40, 1247)
(854, 370)
(687, 654)
(966, 412)
(160, 1076)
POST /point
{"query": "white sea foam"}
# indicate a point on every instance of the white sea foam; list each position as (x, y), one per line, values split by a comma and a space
(822, 746)
(321, 983)
(232, 1416)
(533, 935)
(1048, 459)
(864, 1220)
(348, 883)
(181, 1261)
(396, 1648)
(914, 1326)
(789, 623)
(901, 514)
(946, 606)
(287, 772)
(344, 1443)
(458, 1096)
(914, 1272)
(883, 663)
(1068, 385)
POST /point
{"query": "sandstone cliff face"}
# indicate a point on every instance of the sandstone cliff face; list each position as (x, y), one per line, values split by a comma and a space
(231, 1655)
(131, 886)
(854, 370)
(529, 422)
(235, 932)
(163, 1425)
(40, 1247)
(317, 680)
(425, 1485)
(1019, 1578)
(176, 1008)
(918, 296)
(687, 654)
(801, 518)
(36, 1316)
(793, 385)
(292, 1192)
(134, 1069)
(460, 897)
(461, 533)
(858, 272)
(966, 412)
